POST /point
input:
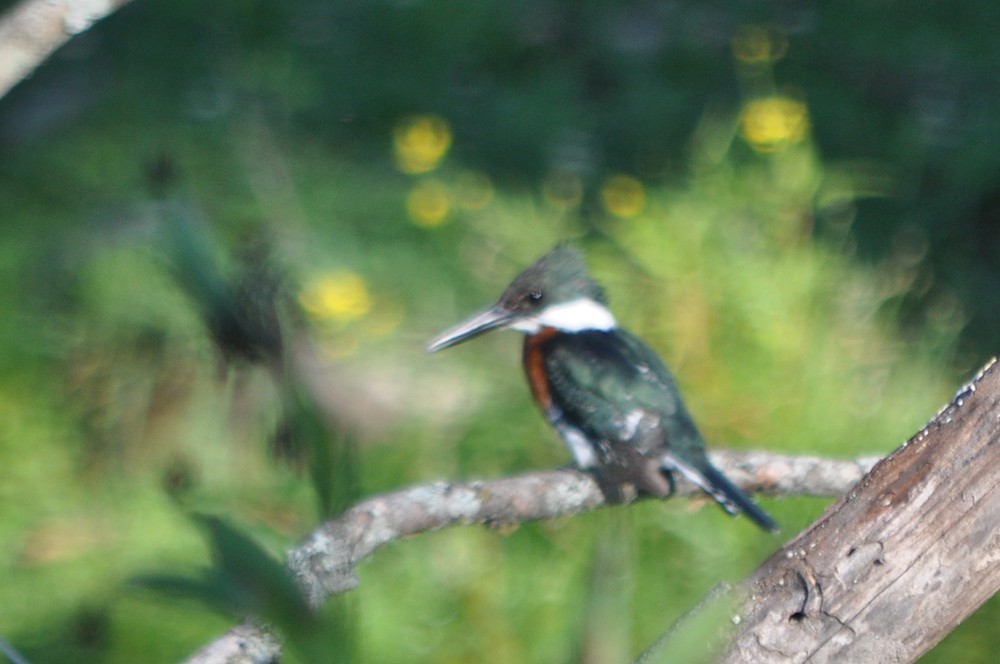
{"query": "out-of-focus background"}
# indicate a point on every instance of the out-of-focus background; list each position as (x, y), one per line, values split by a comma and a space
(230, 228)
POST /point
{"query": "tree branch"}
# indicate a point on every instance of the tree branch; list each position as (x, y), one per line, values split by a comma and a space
(324, 563)
(31, 30)
(899, 561)
(246, 643)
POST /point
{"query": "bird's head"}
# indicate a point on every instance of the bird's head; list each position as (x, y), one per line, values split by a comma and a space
(555, 292)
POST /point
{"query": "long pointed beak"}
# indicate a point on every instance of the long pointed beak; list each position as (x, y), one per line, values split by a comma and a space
(482, 322)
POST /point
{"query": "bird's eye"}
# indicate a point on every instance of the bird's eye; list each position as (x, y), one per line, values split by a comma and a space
(535, 296)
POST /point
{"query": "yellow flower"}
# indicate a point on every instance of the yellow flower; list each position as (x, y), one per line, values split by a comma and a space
(623, 196)
(769, 123)
(340, 296)
(420, 142)
(428, 203)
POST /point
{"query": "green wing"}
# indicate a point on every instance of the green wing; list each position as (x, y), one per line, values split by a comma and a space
(615, 388)
(618, 392)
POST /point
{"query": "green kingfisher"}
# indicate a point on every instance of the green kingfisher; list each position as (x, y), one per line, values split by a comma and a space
(608, 395)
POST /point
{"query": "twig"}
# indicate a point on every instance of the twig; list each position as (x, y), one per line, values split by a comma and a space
(31, 30)
(11, 653)
(247, 643)
(324, 563)
(717, 598)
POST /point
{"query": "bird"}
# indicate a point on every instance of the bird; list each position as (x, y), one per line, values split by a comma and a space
(607, 394)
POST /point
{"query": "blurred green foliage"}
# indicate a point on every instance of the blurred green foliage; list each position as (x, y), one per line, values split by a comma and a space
(797, 209)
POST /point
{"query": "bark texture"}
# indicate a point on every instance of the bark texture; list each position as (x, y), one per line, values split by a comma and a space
(899, 561)
(324, 563)
(247, 643)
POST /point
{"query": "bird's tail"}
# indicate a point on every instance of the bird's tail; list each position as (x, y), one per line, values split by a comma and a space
(728, 495)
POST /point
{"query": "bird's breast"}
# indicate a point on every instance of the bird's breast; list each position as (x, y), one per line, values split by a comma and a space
(534, 367)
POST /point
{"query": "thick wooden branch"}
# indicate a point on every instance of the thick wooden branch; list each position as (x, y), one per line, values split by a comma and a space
(896, 563)
(32, 29)
(324, 563)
